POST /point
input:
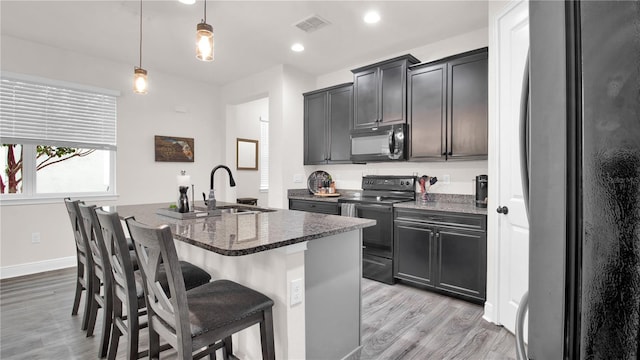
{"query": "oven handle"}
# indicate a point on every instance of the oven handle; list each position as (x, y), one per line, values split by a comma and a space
(386, 207)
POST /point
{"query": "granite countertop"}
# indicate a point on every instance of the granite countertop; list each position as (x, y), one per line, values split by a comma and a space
(445, 202)
(243, 234)
(437, 202)
(304, 194)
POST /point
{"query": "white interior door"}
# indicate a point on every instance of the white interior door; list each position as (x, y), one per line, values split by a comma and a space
(513, 227)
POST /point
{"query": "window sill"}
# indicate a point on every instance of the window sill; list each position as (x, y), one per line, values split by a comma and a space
(7, 201)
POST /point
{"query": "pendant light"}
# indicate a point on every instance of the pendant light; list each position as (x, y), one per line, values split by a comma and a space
(140, 74)
(204, 38)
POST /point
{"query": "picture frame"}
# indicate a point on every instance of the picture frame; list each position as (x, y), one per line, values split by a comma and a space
(174, 149)
(246, 154)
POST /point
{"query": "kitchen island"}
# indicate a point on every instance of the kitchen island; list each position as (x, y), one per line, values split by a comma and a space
(309, 264)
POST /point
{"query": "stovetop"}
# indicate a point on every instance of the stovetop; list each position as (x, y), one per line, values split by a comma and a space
(385, 189)
(372, 200)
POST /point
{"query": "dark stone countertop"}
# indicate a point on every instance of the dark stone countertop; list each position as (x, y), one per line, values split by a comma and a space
(243, 234)
(304, 194)
(445, 202)
(437, 202)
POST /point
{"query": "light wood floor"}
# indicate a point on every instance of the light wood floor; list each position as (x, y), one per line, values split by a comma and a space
(402, 322)
(399, 322)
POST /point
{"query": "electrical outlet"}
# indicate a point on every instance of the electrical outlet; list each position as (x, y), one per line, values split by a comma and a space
(297, 178)
(296, 292)
(35, 238)
(446, 179)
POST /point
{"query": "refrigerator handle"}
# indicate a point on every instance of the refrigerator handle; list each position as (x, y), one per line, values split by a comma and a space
(524, 135)
(521, 352)
(523, 307)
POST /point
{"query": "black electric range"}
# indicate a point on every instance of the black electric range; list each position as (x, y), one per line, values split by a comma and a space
(379, 193)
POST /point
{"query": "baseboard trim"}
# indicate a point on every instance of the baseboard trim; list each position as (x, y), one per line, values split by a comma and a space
(354, 354)
(489, 314)
(12, 271)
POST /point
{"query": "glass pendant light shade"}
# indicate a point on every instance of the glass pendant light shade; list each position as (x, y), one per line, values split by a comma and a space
(204, 42)
(140, 81)
(140, 84)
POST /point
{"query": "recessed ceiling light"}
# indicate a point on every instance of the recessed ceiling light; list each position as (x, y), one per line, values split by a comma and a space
(371, 17)
(188, 2)
(297, 47)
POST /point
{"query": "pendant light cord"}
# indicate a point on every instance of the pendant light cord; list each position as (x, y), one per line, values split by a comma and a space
(205, 11)
(140, 66)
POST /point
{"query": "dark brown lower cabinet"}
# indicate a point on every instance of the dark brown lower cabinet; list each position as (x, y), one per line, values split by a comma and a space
(442, 252)
(413, 251)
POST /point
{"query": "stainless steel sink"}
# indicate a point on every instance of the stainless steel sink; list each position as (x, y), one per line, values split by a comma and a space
(235, 209)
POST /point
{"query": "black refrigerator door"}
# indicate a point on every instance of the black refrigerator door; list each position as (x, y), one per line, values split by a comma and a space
(610, 279)
(584, 255)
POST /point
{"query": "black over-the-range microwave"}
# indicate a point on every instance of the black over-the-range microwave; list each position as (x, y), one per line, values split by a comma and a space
(382, 143)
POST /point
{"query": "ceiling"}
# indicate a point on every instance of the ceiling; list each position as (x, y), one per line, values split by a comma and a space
(250, 36)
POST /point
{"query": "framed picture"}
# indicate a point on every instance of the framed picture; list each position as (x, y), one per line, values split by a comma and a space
(246, 154)
(174, 149)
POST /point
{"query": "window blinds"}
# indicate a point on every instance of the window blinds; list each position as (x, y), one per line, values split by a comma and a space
(44, 114)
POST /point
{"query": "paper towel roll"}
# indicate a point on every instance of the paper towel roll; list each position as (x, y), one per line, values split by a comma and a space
(184, 180)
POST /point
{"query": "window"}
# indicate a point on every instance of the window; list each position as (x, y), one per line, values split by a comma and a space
(264, 154)
(57, 139)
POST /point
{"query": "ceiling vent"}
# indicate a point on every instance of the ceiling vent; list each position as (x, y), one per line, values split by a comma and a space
(311, 24)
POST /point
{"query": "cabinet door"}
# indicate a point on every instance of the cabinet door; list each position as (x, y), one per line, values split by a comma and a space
(315, 129)
(365, 87)
(413, 253)
(340, 118)
(427, 113)
(393, 93)
(461, 262)
(467, 106)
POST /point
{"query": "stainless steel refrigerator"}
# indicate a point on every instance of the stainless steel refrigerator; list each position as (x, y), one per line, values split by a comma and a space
(583, 161)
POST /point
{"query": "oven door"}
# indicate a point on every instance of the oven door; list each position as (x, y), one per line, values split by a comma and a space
(384, 143)
(377, 240)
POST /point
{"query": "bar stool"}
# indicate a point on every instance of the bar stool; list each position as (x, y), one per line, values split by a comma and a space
(85, 267)
(202, 319)
(102, 276)
(128, 293)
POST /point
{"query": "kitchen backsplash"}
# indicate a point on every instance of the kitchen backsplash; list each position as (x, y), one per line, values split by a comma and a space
(461, 174)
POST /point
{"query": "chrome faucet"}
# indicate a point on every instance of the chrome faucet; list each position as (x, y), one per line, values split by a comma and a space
(211, 203)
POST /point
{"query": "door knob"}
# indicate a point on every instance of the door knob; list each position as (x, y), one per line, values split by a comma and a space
(502, 210)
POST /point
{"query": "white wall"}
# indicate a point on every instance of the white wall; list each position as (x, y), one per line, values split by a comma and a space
(243, 121)
(461, 173)
(139, 178)
(283, 85)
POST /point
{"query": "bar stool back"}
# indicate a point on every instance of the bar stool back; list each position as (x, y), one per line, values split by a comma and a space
(202, 319)
(126, 295)
(85, 266)
(102, 273)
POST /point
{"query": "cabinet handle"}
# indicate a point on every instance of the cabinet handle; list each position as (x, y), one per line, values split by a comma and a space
(444, 153)
(502, 210)
(450, 153)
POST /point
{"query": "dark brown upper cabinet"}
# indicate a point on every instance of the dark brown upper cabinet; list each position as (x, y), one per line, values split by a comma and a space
(328, 114)
(448, 108)
(380, 92)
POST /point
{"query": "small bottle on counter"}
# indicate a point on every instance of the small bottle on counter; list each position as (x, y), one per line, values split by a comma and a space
(332, 188)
